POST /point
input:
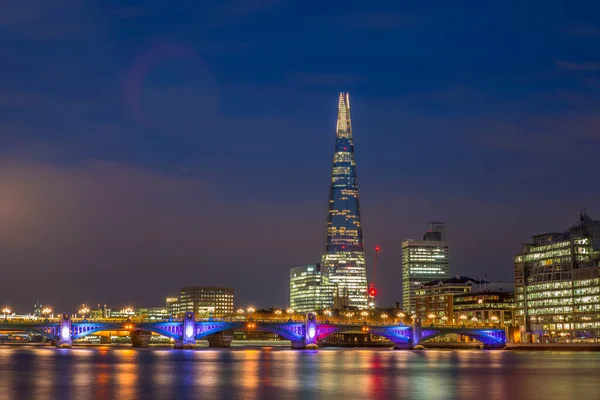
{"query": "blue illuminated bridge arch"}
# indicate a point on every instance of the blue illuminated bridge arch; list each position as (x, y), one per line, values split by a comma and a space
(301, 334)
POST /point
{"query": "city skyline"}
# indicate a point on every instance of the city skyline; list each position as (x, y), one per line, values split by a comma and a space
(140, 153)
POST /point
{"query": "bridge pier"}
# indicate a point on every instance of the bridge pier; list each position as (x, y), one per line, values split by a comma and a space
(65, 337)
(416, 333)
(189, 331)
(403, 346)
(310, 332)
(298, 345)
(220, 340)
(140, 338)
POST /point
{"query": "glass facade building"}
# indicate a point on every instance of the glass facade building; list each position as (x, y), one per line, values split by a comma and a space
(310, 289)
(344, 255)
(424, 261)
(557, 285)
(206, 301)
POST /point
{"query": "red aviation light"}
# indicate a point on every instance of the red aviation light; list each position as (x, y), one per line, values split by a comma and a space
(372, 290)
(377, 248)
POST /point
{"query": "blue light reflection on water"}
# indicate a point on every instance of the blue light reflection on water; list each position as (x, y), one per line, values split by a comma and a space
(125, 373)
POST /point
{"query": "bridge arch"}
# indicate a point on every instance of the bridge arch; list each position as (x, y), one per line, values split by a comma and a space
(487, 337)
(394, 334)
(293, 332)
(47, 332)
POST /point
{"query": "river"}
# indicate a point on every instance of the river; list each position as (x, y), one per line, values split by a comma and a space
(29, 372)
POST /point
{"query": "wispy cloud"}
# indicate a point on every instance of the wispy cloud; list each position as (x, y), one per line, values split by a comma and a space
(327, 79)
(42, 20)
(584, 29)
(574, 66)
(380, 21)
(246, 8)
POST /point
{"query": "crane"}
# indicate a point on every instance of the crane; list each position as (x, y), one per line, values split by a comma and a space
(372, 290)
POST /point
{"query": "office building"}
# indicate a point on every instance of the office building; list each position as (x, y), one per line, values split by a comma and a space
(206, 301)
(464, 300)
(344, 255)
(154, 313)
(310, 289)
(172, 304)
(557, 285)
(424, 261)
(433, 299)
(492, 306)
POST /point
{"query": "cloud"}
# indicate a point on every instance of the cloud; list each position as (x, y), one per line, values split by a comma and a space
(235, 10)
(328, 79)
(127, 12)
(377, 21)
(41, 20)
(582, 29)
(573, 66)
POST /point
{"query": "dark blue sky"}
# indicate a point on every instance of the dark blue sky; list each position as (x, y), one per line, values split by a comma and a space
(151, 145)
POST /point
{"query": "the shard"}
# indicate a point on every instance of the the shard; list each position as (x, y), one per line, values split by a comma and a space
(344, 254)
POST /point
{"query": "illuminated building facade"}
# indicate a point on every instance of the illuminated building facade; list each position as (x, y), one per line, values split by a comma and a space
(155, 313)
(172, 304)
(557, 285)
(491, 307)
(206, 301)
(433, 299)
(424, 261)
(344, 255)
(463, 300)
(310, 289)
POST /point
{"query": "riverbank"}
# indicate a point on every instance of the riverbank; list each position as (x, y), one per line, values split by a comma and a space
(453, 345)
(554, 346)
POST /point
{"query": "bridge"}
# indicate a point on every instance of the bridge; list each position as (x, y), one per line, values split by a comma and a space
(303, 334)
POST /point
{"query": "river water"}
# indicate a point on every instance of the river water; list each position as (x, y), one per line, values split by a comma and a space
(127, 374)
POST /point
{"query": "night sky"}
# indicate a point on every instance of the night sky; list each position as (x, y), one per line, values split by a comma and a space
(150, 145)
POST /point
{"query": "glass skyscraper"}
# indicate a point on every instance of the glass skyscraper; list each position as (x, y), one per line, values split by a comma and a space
(344, 255)
(310, 289)
(557, 285)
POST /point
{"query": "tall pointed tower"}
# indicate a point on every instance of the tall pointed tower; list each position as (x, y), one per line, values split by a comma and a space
(344, 255)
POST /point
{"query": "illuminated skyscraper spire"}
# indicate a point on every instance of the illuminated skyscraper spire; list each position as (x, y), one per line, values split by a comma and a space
(344, 256)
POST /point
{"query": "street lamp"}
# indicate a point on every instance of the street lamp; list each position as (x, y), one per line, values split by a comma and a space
(327, 312)
(46, 311)
(384, 316)
(364, 314)
(240, 311)
(250, 309)
(84, 310)
(463, 318)
(494, 319)
(290, 311)
(278, 312)
(6, 311)
(401, 315)
(444, 319)
(431, 316)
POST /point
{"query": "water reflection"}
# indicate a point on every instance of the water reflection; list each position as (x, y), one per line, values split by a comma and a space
(105, 373)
